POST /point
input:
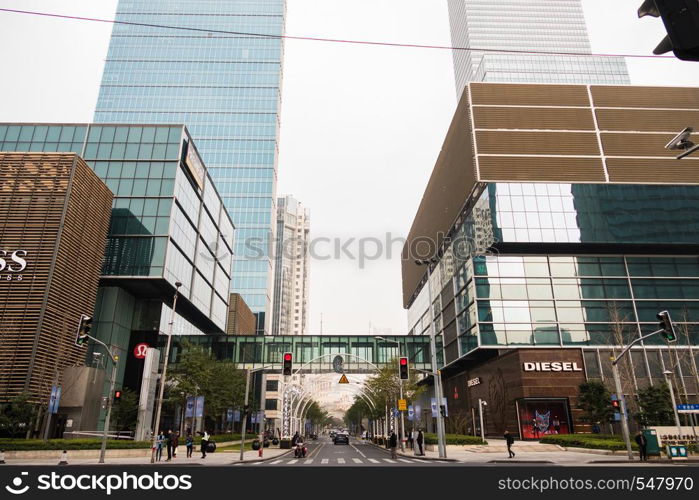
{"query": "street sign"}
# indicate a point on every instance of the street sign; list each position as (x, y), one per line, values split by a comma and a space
(402, 405)
(677, 452)
(140, 350)
(691, 408)
(343, 379)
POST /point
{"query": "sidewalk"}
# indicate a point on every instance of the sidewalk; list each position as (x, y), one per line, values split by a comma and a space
(219, 458)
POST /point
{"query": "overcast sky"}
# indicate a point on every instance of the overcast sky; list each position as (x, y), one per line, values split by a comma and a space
(361, 125)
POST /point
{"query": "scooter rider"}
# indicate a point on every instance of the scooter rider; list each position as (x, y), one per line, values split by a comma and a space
(300, 448)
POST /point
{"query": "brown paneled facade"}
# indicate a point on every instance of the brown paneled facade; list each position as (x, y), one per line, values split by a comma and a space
(529, 392)
(54, 218)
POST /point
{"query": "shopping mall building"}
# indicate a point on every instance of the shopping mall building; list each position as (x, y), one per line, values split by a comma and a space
(561, 226)
(106, 218)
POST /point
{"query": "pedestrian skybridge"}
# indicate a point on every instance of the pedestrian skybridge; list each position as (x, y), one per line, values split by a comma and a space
(314, 352)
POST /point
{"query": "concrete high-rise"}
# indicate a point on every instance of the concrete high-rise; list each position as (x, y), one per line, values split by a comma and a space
(521, 26)
(217, 67)
(291, 270)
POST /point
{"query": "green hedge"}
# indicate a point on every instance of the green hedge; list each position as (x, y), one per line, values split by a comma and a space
(459, 439)
(7, 444)
(593, 441)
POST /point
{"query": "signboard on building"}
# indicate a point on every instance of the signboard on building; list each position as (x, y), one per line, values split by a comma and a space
(473, 382)
(690, 408)
(146, 400)
(12, 263)
(553, 366)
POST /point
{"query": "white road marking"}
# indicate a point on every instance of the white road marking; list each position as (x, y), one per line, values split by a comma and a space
(373, 460)
(355, 449)
(292, 461)
(275, 462)
(309, 461)
(357, 460)
(340, 460)
(404, 460)
(390, 461)
(324, 461)
(257, 463)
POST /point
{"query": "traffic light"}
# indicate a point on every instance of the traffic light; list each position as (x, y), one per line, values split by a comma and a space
(117, 396)
(83, 330)
(403, 368)
(288, 362)
(681, 20)
(615, 402)
(665, 324)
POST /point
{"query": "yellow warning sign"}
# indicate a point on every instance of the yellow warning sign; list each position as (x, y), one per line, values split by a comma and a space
(402, 405)
(343, 380)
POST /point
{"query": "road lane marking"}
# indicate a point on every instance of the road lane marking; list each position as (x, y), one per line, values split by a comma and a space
(373, 460)
(404, 460)
(257, 463)
(292, 461)
(309, 461)
(355, 449)
(275, 462)
(357, 460)
(340, 460)
(389, 460)
(324, 461)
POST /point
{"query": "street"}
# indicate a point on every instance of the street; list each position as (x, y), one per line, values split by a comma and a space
(324, 453)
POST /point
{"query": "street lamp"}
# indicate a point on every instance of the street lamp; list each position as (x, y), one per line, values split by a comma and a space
(161, 390)
(400, 382)
(481, 404)
(674, 404)
(433, 356)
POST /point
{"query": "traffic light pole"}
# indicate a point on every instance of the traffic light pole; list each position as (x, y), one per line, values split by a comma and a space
(437, 376)
(110, 400)
(244, 416)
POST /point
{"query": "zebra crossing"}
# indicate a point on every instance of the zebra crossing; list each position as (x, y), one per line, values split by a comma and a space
(342, 461)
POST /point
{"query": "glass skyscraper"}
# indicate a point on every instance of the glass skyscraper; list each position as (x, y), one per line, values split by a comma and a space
(526, 25)
(206, 65)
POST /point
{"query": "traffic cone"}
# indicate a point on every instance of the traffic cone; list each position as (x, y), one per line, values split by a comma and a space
(64, 458)
(2, 456)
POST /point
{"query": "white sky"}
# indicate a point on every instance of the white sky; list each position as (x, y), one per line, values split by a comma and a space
(361, 125)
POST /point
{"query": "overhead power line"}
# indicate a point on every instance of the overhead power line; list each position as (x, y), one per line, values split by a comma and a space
(329, 40)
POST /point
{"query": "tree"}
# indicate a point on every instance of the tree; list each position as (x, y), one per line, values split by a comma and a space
(318, 416)
(656, 406)
(595, 401)
(125, 411)
(17, 416)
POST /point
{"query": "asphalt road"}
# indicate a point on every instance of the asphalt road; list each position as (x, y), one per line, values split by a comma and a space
(323, 453)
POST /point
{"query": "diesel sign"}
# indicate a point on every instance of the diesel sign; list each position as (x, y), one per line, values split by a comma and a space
(554, 366)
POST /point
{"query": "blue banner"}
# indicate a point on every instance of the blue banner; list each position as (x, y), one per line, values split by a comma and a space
(55, 399)
(189, 407)
(229, 415)
(236, 416)
(199, 407)
(433, 407)
(411, 412)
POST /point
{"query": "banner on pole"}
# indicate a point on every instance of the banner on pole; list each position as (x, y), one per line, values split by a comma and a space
(433, 407)
(189, 407)
(199, 407)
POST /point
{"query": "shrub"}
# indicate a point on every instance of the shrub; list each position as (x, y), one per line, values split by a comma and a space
(458, 439)
(69, 444)
(593, 441)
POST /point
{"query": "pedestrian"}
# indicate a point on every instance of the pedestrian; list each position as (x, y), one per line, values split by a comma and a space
(596, 429)
(393, 444)
(509, 440)
(420, 439)
(189, 443)
(556, 424)
(410, 440)
(175, 443)
(159, 446)
(169, 442)
(204, 443)
(294, 438)
(642, 443)
(535, 429)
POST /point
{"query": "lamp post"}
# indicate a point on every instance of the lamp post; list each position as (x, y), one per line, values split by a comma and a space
(433, 356)
(400, 382)
(666, 373)
(481, 404)
(161, 390)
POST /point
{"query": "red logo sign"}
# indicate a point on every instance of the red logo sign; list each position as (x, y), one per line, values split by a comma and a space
(456, 393)
(140, 350)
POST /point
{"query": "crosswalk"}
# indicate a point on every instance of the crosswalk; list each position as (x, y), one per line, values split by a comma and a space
(341, 461)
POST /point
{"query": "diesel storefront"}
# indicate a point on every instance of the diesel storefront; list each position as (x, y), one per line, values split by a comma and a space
(530, 392)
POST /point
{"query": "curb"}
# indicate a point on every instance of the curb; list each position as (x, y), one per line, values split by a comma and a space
(663, 461)
(260, 460)
(419, 457)
(521, 462)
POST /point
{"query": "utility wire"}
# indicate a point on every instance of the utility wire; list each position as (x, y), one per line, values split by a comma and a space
(330, 40)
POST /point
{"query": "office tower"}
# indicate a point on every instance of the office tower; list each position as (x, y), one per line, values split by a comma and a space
(291, 268)
(553, 26)
(222, 80)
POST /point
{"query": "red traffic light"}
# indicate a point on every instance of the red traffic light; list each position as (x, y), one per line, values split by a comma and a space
(403, 361)
(117, 395)
(287, 356)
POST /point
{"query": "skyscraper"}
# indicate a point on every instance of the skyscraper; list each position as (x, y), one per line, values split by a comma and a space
(291, 271)
(204, 63)
(553, 26)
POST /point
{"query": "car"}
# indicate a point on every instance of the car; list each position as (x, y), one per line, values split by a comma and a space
(341, 439)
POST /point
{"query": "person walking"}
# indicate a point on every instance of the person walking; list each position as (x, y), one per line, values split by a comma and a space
(169, 441)
(204, 443)
(410, 440)
(159, 446)
(393, 444)
(509, 440)
(175, 443)
(642, 443)
(420, 439)
(189, 443)
(556, 424)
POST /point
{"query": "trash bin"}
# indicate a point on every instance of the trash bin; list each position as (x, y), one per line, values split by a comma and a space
(652, 446)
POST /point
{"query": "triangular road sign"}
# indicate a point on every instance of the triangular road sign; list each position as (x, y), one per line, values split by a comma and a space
(343, 379)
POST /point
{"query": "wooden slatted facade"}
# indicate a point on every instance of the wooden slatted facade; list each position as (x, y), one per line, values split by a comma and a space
(504, 132)
(54, 208)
